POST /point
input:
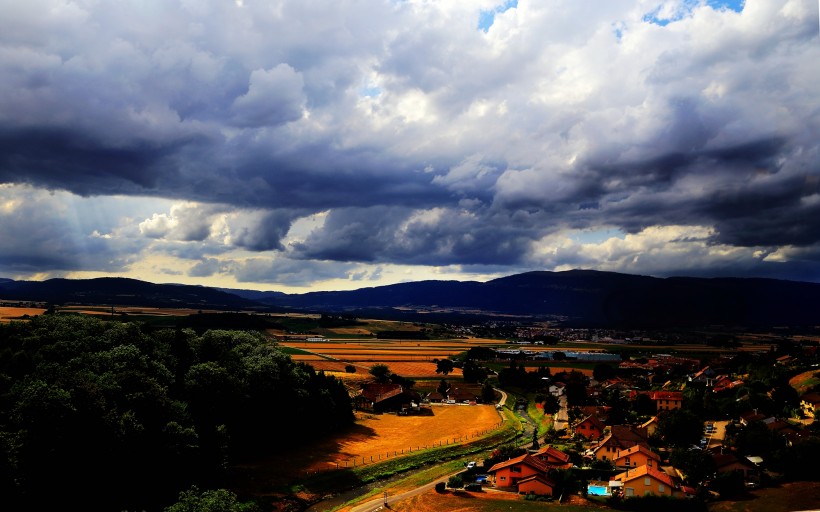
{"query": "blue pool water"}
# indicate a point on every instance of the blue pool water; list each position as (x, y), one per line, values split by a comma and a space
(597, 490)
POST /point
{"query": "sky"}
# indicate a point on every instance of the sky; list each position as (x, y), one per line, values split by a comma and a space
(309, 145)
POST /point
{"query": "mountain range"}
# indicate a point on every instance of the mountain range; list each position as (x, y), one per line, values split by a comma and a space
(576, 297)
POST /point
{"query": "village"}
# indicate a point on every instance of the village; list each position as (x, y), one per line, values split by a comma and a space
(661, 425)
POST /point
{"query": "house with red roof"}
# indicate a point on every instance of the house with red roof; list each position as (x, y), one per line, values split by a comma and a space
(553, 457)
(638, 455)
(667, 400)
(541, 485)
(589, 428)
(507, 474)
(643, 481)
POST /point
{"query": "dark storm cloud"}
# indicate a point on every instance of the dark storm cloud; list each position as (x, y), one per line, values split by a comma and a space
(78, 162)
(441, 237)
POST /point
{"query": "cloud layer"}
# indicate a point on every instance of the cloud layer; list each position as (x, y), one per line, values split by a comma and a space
(309, 144)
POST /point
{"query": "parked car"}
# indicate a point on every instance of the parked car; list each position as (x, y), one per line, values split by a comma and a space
(472, 487)
(471, 465)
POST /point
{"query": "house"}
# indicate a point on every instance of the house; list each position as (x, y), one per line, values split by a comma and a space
(557, 388)
(667, 400)
(751, 417)
(620, 437)
(645, 480)
(729, 462)
(536, 484)
(553, 458)
(435, 397)
(507, 474)
(723, 383)
(589, 427)
(637, 456)
(651, 426)
(664, 400)
(810, 403)
(461, 395)
(785, 360)
(705, 376)
(377, 397)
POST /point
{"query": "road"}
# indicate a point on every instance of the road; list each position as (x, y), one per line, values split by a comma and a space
(562, 416)
(380, 502)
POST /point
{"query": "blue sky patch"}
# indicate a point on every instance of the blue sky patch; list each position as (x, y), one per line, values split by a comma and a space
(657, 16)
(596, 236)
(732, 5)
(487, 18)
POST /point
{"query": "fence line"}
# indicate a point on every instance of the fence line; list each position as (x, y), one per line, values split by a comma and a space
(363, 460)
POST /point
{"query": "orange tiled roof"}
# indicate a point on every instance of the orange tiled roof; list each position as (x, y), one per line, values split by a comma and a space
(641, 471)
(522, 459)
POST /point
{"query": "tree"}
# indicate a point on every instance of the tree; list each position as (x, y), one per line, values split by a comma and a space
(218, 500)
(380, 372)
(551, 404)
(680, 428)
(602, 372)
(443, 387)
(644, 406)
(444, 366)
(487, 393)
(455, 482)
(349, 368)
(696, 465)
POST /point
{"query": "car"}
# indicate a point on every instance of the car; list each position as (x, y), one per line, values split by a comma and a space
(472, 487)
(482, 479)
(471, 465)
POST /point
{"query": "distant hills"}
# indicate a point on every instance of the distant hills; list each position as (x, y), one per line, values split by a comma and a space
(123, 292)
(577, 297)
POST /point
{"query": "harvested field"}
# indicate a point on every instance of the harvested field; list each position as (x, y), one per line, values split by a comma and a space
(377, 435)
(403, 368)
(7, 314)
(805, 381)
(382, 434)
(308, 357)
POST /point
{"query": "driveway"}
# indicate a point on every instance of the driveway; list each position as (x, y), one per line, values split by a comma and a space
(562, 416)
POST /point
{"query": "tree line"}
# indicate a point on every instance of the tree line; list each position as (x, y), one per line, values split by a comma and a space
(102, 415)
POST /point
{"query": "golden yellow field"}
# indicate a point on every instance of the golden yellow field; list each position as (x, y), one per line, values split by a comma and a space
(7, 314)
(383, 436)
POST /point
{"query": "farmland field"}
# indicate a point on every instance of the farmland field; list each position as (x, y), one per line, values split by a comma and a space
(7, 314)
(383, 436)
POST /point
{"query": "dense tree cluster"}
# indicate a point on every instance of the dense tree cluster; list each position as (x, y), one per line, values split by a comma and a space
(103, 416)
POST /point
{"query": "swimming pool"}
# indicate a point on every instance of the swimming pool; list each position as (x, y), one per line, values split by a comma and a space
(597, 490)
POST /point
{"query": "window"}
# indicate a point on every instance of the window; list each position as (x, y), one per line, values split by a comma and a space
(515, 469)
(661, 488)
(630, 491)
(647, 481)
(503, 478)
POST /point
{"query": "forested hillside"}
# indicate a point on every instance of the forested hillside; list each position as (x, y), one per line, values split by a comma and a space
(103, 416)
